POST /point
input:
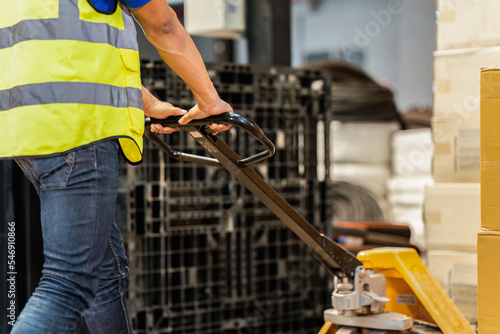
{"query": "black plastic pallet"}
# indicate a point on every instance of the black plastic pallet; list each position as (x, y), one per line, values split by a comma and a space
(250, 274)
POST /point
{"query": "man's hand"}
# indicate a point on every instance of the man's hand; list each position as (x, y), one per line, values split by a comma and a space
(160, 110)
(198, 112)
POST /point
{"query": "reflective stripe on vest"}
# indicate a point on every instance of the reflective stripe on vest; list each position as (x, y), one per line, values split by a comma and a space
(70, 76)
(50, 29)
(69, 92)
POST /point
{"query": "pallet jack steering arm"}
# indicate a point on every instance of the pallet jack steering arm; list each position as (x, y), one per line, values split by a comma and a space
(338, 260)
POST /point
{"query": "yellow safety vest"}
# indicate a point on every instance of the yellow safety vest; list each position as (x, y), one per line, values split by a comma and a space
(69, 76)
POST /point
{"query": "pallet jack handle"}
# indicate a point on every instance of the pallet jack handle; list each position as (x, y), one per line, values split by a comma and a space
(337, 259)
(244, 123)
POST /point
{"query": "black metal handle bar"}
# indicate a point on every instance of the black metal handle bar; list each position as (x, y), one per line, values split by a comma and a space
(337, 259)
(201, 125)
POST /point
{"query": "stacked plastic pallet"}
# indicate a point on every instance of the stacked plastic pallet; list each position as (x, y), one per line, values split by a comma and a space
(205, 255)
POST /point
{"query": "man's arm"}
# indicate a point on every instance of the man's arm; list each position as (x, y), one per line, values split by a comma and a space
(175, 46)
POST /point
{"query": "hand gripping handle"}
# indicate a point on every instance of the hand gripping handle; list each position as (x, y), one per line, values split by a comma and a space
(201, 125)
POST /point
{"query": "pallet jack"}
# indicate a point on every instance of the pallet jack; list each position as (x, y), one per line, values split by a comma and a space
(380, 291)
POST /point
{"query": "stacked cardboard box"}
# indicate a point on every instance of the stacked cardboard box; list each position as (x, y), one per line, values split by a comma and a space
(468, 33)
(460, 270)
(456, 112)
(488, 240)
(452, 219)
(466, 24)
(451, 214)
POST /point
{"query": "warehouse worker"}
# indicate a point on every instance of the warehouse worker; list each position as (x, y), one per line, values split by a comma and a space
(70, 89)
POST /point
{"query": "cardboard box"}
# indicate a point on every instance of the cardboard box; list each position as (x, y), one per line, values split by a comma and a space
(488, 240)
(456, 79)
(488, 273)
(452, 216)
(490, 149)
(467, 23)
(457, 273)
(457, 156)
(453, 267)
(215, 18)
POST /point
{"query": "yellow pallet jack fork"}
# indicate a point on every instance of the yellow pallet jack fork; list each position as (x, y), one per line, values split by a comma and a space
(381, 291)
(406, 275)
(328, 328)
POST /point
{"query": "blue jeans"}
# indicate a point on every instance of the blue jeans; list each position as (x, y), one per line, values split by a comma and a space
(85, 263)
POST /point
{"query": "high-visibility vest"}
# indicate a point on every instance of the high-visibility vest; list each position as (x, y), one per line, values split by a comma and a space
(69, 76)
